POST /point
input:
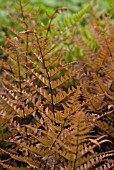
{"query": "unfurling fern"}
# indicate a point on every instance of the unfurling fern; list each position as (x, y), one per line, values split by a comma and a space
(45, 123)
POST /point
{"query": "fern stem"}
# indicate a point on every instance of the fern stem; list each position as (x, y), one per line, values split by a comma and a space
(26, 48)
(48, 29)
(19, 73)
(52, 102)
(21, 8)
(26, 25)
(20, 86)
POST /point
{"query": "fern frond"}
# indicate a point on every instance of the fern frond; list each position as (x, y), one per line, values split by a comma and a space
(60, 97)
(42, 151)
(93, 161)
(108, 129)
(57, 83)
(23, 159)
(12, 167)
(107, 166)
(97, 81)
(56, 110)
(108, 72)
(69, 21)
(98, 34)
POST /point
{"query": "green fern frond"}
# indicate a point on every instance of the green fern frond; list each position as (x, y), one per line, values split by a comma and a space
(69, 21)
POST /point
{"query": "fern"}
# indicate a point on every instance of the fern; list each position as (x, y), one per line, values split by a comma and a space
(47, 123)
(69, 21)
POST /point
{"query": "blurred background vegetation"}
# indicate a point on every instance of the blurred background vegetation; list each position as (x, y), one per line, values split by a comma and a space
(73, 6)
(7, 6)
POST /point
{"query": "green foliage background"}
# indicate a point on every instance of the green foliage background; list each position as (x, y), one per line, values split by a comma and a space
(50, 5)
(7, 7)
